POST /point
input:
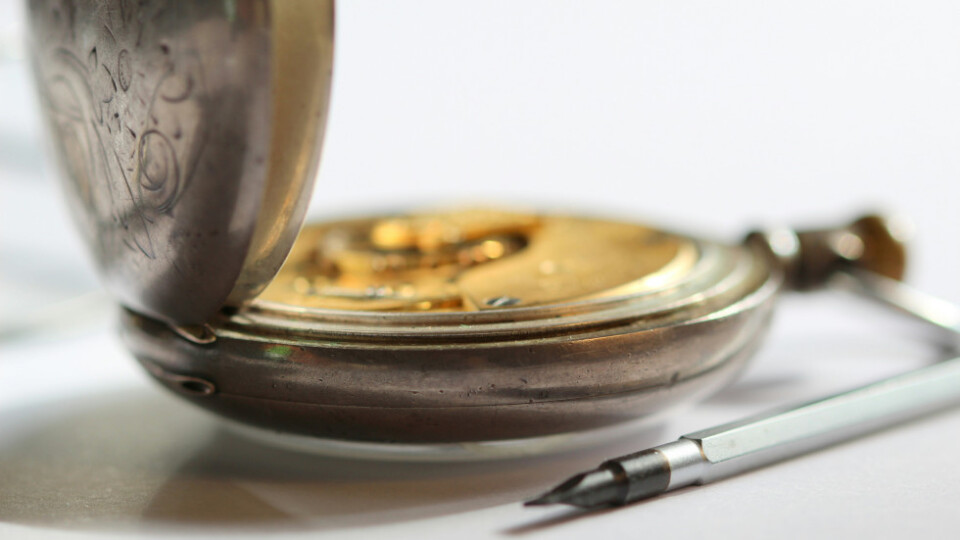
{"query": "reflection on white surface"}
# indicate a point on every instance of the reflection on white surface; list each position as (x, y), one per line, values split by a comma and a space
(88, 444)
(129, 456)
(127, 459)
(455, 452)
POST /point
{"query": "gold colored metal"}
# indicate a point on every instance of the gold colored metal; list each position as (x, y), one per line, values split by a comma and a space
(471, 260)
(302, 41)
(433, 232)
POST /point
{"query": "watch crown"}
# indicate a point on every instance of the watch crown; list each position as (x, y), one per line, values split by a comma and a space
(874, 242)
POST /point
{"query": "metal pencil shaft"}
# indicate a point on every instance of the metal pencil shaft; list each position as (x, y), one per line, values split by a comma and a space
(766, 438)
(722, 451)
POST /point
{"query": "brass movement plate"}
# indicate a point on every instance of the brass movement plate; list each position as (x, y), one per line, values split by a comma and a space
(476, 259)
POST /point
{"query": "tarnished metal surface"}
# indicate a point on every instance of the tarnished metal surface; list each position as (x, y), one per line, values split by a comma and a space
(161, 114)
(484, 375)
(809, 258)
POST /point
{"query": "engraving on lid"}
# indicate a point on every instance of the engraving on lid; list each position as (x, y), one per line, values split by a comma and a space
(162, 138)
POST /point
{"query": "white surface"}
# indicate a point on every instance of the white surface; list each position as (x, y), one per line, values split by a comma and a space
(706, 116)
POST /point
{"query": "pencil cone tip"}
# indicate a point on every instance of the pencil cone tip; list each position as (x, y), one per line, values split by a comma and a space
(543, 500)
(559, 494)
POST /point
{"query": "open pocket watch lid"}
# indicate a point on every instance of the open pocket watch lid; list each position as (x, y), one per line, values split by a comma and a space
(189, 135)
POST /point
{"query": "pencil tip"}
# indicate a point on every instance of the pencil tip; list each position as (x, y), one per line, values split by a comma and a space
(543, 500)
(558, 494)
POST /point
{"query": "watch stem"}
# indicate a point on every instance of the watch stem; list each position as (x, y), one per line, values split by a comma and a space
(809, 258)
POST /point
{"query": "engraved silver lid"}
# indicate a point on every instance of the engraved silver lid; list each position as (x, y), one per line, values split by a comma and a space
(188, 135)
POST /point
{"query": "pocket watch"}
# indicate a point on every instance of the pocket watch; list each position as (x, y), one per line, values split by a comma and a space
(189, 135)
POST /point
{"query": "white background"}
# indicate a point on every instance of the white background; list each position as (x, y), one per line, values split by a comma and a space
(709, 117)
